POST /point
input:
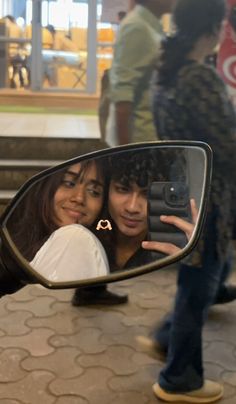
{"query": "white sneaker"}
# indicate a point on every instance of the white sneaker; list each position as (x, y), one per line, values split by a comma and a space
(208, 393)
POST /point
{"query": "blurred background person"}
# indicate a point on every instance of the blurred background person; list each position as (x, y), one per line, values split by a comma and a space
(49, 68)
(135, 57)
(191, 103)
(15, 51)
(120, 16)
(54, 40)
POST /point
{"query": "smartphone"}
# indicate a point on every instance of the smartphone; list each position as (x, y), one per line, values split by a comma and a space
(168, 198)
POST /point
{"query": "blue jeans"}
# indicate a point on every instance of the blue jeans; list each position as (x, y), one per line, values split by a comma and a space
(181, 332)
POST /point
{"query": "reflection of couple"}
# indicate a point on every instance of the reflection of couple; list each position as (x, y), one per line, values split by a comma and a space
(60, 204)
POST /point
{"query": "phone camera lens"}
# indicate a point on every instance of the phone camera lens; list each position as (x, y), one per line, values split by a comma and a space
(173, 197)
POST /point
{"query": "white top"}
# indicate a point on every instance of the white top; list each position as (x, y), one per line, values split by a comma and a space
(71, 253)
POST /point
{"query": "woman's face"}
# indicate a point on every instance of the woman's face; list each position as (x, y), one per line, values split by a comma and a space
(79, 198)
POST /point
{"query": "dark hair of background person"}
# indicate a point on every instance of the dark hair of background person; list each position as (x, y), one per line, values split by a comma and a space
(10, 18)
(192, 19)
(51, 28)
(121, 15)
(34, 219)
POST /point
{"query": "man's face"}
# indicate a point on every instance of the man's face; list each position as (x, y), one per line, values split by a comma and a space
(128, 208)
(79, 199)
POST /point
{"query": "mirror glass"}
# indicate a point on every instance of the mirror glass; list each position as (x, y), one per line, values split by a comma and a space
(110, 213)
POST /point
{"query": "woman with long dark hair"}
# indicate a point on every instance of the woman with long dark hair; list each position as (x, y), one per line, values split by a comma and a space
(191, 103)
(50, 225)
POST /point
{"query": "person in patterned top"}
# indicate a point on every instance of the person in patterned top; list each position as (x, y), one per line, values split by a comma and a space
(191, 103)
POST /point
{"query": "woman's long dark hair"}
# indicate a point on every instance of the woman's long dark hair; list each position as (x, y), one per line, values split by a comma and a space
(34, 219)
(193, 19)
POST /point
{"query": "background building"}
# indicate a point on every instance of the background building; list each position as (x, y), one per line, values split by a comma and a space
(75, 55)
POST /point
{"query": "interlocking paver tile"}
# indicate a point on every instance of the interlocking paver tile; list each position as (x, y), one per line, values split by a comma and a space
(145, 289)
(88, 340)
(158, 302)
(71, 400)
(109, 321)
(42, 307)
(117, 358)
(14, 323)
(147, 318)
(229, 393)
(218, 316)
(216, 329)
(171, 288)
(92, 385)
(61, 322)
(230, 400)
(126, 338)
(62, 363)
(222, 353)
(129, 309)
(30, 390)
(3, 308)
(142, 359)
(83, 313)
(229, 377)
(212, 370)
(130, 397)
(141, 381)
(23, 295)
(219, 322)
(36, 342)
(10, 369)
(62, 294)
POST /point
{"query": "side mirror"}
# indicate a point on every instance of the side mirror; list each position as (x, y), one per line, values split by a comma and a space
(85, 221)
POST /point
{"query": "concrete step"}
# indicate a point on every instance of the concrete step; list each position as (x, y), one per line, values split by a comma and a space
(5, 197)
(13, 173)
(39, 148)
(14, 177)
(41, 164)
(23, 157)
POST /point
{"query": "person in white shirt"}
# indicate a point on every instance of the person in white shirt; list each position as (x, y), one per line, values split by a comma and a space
(71, 253)
(51, 230)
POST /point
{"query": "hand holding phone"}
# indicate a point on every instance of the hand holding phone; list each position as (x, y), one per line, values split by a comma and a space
(169, 214)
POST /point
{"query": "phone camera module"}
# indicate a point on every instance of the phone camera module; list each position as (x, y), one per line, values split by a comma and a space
(176, 194)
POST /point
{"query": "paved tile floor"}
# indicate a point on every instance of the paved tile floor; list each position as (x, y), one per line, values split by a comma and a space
(53, 353)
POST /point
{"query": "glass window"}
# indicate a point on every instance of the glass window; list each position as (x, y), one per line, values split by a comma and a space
(65, 61)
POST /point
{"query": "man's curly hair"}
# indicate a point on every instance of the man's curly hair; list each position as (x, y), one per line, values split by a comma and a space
(142, 166)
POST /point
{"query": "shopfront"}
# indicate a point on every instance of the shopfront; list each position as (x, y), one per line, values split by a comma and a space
(56, 45)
